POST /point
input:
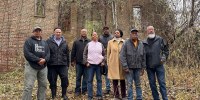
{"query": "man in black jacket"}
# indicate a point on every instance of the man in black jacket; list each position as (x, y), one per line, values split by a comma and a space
(58, 63)
(37, 54)
(104, 38)
(156, 54)
(77, 59)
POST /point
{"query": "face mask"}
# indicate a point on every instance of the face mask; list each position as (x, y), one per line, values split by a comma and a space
(151, 36)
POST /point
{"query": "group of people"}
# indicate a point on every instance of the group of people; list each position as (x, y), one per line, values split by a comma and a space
(124, 60)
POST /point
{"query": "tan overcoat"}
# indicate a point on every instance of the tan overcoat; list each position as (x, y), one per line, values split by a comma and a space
(114, 66)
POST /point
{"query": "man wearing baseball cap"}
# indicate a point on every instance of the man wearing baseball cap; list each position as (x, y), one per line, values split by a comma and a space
(37, 54)
(133, 60)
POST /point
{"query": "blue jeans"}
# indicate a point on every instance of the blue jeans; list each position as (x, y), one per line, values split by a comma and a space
(92, 69)
(107, 81)
(81, 71)
(159, 73)
(134, 74)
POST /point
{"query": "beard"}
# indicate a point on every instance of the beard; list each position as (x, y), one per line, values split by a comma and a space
(151, 35)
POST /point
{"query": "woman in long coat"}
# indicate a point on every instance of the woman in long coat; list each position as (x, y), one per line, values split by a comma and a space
(115, 71)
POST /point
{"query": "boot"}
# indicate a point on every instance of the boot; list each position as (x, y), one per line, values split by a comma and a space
(53, 93)
(64, 91)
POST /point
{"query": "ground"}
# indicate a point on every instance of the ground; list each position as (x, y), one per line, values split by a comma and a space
(182, 84)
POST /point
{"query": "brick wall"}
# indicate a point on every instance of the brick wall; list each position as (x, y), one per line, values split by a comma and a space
(17, 21)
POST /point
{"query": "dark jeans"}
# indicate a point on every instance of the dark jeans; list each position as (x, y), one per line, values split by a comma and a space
(107, 80)
(81, 78)
(116, 89)
(159, 73)
(92, 69)
(134, 74)
(53, 72)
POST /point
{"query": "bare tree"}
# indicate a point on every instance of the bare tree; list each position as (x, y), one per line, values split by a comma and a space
(187, 13)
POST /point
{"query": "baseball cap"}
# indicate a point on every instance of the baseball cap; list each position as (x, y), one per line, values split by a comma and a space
(37, 28)
(134, 30)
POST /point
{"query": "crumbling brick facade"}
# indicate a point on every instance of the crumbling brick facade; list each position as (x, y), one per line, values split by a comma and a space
(17, 18)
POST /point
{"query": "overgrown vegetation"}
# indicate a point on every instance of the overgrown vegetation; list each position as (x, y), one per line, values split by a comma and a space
(176, 20)
(182, 84)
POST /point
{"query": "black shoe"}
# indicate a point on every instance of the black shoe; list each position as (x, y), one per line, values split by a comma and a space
(107, 92)
(53, 92)
(65, 97)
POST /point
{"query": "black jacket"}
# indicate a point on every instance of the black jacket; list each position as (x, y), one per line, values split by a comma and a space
(34, 50)
(59, 55)
(156, 51)
(77, 50)
(132, 57)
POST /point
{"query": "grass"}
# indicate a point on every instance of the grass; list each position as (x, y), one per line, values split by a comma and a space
(182, 84)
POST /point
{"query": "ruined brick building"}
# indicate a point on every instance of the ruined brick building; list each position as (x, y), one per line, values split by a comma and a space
(18, 17)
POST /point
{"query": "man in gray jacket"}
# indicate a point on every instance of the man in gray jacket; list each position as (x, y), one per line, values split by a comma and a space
(133, 60)
(156, 54)
(37, 54)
